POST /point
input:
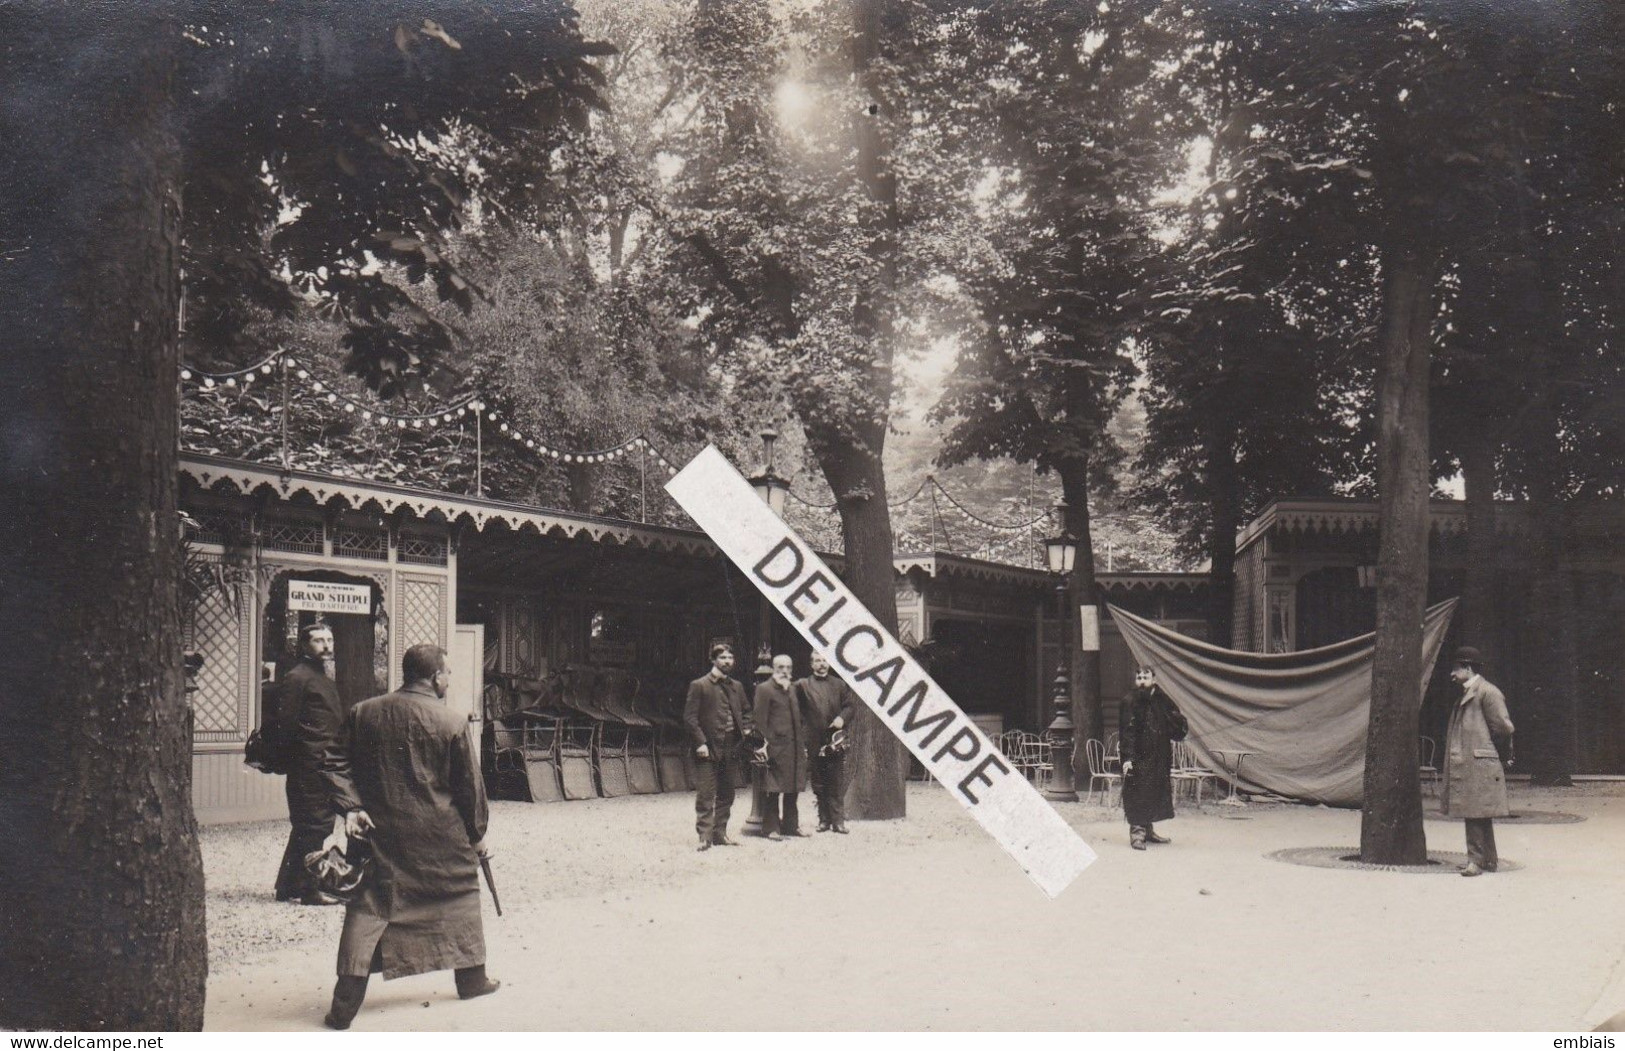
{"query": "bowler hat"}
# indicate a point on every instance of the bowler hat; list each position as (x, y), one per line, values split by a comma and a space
(1468, 655)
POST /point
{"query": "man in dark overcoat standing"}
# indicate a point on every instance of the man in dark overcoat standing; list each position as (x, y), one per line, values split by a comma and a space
(778, 719)
(407, 777)
(826, 704)
(310, 718)
(715, 716)
(1150, 725)
(1475, 787)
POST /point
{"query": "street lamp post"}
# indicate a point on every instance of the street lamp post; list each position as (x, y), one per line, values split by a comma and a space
(1061, 554)
(772, 488)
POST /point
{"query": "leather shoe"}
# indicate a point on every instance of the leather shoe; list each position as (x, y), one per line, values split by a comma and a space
(775, 837)
(705, 844)
(724, 841)
(491, 985)
(316, 897)
(841, 829)
(333, 1023)
(798, 834)
(1152, 837)
(823, 826)
(1472, 869)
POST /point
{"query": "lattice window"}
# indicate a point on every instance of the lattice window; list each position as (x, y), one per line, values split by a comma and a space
(361, 543)
(423, 550)
(219, 527)
(217, 635)
(420, 613)
(303, 537)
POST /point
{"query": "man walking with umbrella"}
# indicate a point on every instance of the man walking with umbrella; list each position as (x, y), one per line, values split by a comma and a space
(407, 778)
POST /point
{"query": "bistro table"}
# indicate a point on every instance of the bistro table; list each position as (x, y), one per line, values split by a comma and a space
(1232, 758)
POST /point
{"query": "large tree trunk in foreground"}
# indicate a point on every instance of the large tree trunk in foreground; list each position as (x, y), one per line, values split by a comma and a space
(102, 898)
(1391, 818)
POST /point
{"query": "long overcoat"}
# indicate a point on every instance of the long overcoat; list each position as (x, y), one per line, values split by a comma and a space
(1474, 781)
(309, 719)
(1150, 724)
(409, 761)
(778, 717)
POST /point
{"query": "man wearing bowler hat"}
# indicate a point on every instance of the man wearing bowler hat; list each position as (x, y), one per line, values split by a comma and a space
(1475, 787)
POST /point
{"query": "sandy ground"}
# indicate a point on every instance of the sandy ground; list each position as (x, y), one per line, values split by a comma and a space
(612, 921)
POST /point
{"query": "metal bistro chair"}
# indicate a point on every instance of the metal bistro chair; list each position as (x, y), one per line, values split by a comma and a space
(1039, 751)
(1190, 772)
(1426, 751)
(1095, 753)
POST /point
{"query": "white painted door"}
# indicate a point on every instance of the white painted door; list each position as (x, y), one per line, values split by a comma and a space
(468, 673)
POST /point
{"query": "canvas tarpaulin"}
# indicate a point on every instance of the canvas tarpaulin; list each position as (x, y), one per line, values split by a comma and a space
(1302, 715)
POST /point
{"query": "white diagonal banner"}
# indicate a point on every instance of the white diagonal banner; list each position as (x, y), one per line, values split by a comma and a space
(880, 671)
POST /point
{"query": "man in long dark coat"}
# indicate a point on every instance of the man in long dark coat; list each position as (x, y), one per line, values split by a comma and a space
(1150, 725)
(1475, 787)
(715, 716)
(826, 704)
(309, 719)
(407, 777)
(778, 719)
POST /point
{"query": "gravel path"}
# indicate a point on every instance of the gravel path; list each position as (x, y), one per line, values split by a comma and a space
(613, 921)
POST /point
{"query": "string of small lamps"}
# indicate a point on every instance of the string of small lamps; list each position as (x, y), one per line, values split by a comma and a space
(474, 404)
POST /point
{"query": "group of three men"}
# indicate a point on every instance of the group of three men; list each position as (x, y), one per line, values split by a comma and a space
(791, 729)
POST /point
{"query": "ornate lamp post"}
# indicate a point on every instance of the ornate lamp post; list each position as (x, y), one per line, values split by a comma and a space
(772, 488)
(1061, 554)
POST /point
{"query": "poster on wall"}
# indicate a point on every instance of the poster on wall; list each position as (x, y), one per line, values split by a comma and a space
(317, 596)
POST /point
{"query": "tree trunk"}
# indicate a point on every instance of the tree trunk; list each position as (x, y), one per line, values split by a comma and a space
(879, 761)
(1479, 624)
(1391, 818)
(1083, 665)
(95, 751)
(849, 446)
(1226, 511)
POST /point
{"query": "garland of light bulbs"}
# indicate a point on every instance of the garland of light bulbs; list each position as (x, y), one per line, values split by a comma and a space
(452, 413)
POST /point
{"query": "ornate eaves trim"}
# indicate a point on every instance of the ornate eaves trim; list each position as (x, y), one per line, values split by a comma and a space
(215, 473)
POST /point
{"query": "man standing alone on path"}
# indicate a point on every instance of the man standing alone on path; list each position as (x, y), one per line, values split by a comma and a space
(778, 719)
(715, 716)
(1151, 724)
(309, 719)
(1475, 786)
(407, 777)
(826, 703)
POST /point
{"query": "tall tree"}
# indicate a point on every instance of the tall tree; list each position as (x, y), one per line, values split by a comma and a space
(1070, 117)
(103, 895)
(791, 207)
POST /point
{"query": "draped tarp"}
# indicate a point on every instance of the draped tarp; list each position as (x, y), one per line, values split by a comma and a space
(1302, 715)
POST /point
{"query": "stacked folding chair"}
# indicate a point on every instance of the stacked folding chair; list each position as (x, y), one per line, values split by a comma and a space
(621, 700)
(578, 736)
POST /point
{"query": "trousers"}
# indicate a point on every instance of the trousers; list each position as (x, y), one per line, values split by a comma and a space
(713, 797)
(829, 786)
(1481, 842)
(772, 821)
(350, 991)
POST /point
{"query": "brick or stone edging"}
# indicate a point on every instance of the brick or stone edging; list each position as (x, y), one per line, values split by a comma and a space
(1442, 862)
(1518, 817)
